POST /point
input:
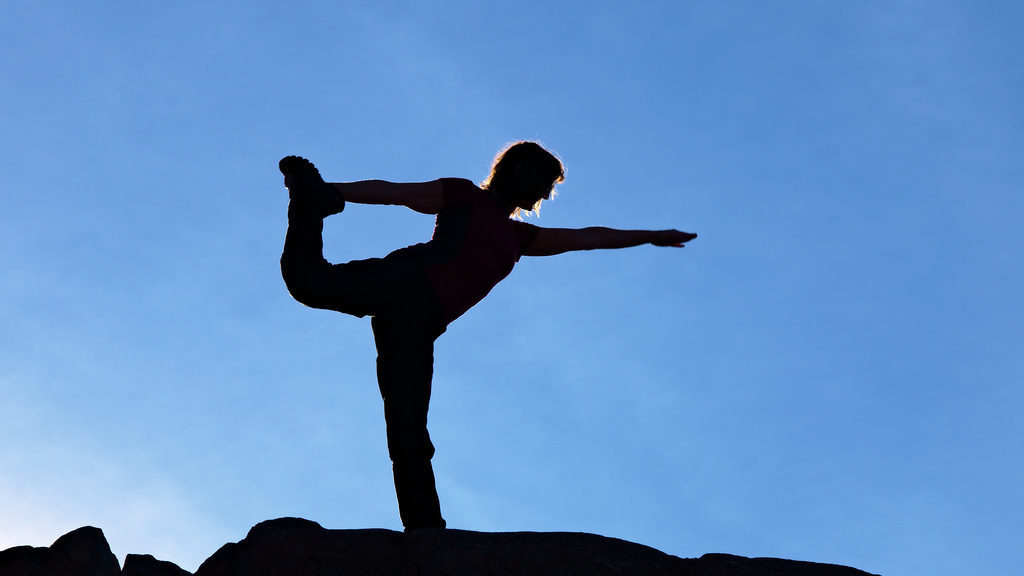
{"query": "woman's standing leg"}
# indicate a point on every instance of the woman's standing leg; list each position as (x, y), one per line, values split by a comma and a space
(405, 365)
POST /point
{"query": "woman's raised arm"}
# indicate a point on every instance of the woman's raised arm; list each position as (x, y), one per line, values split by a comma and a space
(551, 241)
(423, 197)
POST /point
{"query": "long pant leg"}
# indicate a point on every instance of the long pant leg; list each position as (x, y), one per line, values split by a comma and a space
(360, 287)
(405, 364)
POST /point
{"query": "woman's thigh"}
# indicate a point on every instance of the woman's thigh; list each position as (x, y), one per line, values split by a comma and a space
(405, 363)
(360, 287)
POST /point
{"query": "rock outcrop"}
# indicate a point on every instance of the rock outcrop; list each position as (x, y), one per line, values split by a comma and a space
(294, 546)
(83, 551)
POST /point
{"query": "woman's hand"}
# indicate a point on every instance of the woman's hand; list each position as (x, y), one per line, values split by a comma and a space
(674, 238)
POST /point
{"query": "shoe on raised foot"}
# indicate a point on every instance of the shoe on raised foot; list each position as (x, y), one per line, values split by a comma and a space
(307, 187)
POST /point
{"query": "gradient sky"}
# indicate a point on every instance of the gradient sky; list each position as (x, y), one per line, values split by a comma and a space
(832, 372)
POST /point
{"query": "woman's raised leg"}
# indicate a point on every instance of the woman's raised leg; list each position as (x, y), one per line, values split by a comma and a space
(354, 287)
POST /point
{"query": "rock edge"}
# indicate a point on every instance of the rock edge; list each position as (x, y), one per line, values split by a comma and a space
(298, 546)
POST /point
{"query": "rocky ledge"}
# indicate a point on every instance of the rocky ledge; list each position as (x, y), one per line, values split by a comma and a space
(295, 546)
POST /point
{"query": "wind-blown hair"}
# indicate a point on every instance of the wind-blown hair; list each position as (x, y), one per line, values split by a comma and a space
(524, 173)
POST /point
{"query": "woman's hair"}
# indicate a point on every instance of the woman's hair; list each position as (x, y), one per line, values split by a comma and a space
(524, 172)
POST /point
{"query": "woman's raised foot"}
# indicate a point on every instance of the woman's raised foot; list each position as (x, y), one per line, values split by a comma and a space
(307, 187)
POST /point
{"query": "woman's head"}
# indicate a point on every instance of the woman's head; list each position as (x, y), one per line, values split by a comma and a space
(523, 175)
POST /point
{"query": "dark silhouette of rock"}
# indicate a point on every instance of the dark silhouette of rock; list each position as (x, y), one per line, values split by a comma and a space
(147, 565)
(83, 551)
(295, 546)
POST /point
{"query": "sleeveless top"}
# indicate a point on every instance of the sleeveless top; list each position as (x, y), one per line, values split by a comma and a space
(474, 246)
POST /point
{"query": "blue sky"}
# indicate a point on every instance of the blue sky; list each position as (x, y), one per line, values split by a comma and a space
(831, 372)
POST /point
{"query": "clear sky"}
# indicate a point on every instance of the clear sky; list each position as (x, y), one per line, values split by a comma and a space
(832, 372)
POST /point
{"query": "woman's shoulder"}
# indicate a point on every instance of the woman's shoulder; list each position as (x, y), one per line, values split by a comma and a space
(463, 185)
(460, 191)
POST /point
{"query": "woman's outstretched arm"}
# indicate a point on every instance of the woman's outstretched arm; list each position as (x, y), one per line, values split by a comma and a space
(424, 197)
(551, 241)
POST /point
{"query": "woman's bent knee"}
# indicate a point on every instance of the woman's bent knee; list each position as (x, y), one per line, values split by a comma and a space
(300, 278)
(318, 284)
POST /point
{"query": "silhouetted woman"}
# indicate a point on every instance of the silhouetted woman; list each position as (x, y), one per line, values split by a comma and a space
(413, 293)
